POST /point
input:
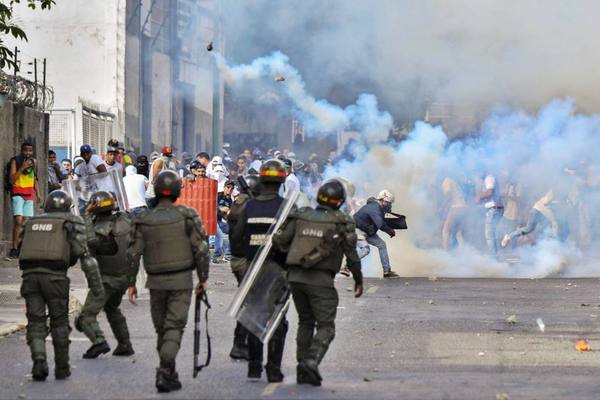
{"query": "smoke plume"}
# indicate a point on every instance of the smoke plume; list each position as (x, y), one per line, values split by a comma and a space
(471, 54)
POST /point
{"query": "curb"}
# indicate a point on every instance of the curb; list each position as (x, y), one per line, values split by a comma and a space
(10, 328)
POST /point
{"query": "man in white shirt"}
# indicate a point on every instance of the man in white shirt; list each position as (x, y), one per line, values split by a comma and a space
(494, 209)
(135, 187)
(92, 165)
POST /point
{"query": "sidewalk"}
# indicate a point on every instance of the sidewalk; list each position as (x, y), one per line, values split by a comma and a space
(12, 305)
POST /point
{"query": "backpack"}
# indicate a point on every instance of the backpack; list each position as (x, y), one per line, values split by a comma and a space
(7, 184)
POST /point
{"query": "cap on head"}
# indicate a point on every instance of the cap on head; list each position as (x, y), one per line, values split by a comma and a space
(272, 171)
(217, 160)
(166, 151)
(58, 201)
(386, 195)
(85, 148)
(167, 184)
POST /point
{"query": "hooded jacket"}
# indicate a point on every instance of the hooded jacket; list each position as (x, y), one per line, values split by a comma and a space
(371, 218)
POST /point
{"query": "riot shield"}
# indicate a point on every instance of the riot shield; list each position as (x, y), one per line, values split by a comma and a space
(263, 296)
(83, 187)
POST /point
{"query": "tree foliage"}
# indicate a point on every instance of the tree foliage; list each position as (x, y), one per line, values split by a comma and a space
(8, 27)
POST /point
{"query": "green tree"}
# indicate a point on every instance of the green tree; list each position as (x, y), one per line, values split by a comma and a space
(8, 27)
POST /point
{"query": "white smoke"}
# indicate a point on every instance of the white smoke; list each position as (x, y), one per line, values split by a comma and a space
(553, 150)
(317, 115)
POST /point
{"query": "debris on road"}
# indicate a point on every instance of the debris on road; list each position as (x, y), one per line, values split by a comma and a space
(540, 324)
(279, 78)
(583, 345)
(511, 319)
(433, 278)
(209, 47)
(431, 302)
(366, 379)
(501, 396)
(585, 305)
(481, 354)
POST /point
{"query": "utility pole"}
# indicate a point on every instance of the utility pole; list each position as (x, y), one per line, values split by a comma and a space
(44, 86)
(16, 68)
(35, 80)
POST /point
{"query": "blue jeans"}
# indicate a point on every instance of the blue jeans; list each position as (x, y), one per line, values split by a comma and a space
(492, 218)
(138, 210)
(221, 247)
(378, 242)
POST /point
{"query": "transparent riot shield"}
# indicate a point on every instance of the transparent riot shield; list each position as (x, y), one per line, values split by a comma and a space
(83, 188)
(264, 295)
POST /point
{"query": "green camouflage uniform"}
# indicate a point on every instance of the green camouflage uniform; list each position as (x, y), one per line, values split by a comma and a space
(111, 236)
(170, 289)
(312, 265)
(48, 286)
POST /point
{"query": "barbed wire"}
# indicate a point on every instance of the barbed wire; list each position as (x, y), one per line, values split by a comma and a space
(26, 92)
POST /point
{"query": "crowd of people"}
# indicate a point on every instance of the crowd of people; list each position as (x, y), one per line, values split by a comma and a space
(110, 241)
(517, 215)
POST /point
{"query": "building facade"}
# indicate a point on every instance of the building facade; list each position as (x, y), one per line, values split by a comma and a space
(134, 70)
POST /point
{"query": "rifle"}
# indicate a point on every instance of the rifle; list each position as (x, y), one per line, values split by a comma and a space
(399, 222)
(201, 298)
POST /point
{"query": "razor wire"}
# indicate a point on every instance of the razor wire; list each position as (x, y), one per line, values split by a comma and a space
(26, 92)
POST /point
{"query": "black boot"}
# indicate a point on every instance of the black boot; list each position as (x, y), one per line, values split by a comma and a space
(39, 372)
(308, 372)
(254, 370)
(274, 373)
(62, 372)
(239, 351)
(124, 349)
(96, 350)
(167, 380)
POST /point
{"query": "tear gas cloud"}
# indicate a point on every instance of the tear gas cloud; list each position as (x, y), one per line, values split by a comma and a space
(552, 150)
(532, 142)
(473, 54)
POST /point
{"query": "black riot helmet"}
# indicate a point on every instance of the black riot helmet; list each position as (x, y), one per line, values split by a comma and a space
(253, 184)
(331, 194)
(104, 202)
(167, 184)
(58, 201)
(272, 171)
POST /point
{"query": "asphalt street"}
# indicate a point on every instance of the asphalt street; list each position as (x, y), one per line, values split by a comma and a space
(404, 339)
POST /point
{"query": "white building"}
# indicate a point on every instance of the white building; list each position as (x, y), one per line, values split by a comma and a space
(137, 71)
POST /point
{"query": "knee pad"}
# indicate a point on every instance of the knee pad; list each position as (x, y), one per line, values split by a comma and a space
(60, 336)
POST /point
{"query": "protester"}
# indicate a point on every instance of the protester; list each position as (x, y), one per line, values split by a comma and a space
(67, 167)
(55, 174)
(135, 187)
(22, 176)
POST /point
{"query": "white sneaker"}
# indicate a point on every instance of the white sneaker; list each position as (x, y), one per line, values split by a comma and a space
(505, 240)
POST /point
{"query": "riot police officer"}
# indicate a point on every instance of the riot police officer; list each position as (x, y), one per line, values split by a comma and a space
(246, 237)
(316, 240)
(51, 243)
(239, 351)
(173, 242)
(112, 231)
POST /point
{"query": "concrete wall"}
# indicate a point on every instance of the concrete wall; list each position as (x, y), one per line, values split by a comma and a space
(17, 125)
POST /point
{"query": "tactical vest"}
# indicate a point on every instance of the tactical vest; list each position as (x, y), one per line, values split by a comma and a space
(167, 247)
(315, 231)
(45, 244)
(112, 258)
(260, 215)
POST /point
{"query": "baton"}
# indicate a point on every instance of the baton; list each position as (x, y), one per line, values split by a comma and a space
(201, 298)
